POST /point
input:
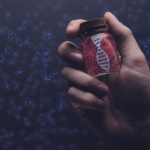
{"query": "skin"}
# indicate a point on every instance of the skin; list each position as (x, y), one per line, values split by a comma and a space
(116, 107)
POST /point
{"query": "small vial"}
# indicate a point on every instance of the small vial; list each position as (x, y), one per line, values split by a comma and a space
(99, 48)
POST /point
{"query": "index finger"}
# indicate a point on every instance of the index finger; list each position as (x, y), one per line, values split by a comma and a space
(72, 29)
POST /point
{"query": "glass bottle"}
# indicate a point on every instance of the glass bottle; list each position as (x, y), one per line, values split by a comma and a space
(99, 48)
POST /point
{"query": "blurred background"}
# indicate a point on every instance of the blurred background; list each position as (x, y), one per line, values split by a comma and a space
(35, 112)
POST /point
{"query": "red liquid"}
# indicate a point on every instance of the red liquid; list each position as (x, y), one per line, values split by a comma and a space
(108, 45)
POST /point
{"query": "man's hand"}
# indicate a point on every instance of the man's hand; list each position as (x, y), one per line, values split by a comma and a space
(116, 106)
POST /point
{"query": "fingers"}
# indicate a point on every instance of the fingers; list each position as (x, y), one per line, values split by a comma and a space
(84, 82)
(125, 41)
(71, 53)
(87, 100)
(72, 30)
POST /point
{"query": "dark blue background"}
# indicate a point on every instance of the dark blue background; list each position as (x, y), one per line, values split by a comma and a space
(35, 112)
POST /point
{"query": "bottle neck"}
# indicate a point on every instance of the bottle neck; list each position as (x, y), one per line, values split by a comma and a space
(94, 30)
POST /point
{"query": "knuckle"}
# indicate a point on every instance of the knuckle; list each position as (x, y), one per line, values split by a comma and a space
(90, 82)
(128, 31)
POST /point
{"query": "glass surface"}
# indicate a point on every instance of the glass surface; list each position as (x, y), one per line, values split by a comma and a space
(100, 54)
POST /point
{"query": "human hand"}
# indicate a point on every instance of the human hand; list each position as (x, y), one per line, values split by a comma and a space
(119, 111)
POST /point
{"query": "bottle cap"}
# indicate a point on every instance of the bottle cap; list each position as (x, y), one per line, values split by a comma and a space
(92, 27)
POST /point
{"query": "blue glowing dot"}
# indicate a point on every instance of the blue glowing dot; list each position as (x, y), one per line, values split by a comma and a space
(25, 54)
(47, 142)
(75, 130)
(9, 17)
(8, 50)
(9, 111)
(58, 6)
(54, 130)
(116, 12)
(42, 130)
(70, 18)
(48, 129)
(86, 7)
(129, 16)
(21, 132)
(35, 14)
(30, 65)
(100, 143)
(72, 146)
(30, 44)
(28, 22)
(3, 130)
(41, 6)
(41, 105)
(100, 1)
(49, 1)
(135, 18)
(22, 61)
(23, 22)
(42, 137)
(84, 131)
(123, 4)
(26, 138)
(121, 9)
(62, 23)
(1, 99)
(29, 113)
(2, 74)
(143, 2)
(41, 23)
(5, 28)
(27, 14)
(134, 2)
(42, 91)
(133, 29)
(20, 148)
(33, 106)
(41, 99)
(31, 136)
(65, 16)
(54, 8)
(41, 45)
(35, 28)
(52, 43)
(46, 65)
(32, 92)
(139, 10)
(21, 94)
(117, 1)
(130, 8)
(60, 61)
(77, 16)
(69, 131)
(38, 119)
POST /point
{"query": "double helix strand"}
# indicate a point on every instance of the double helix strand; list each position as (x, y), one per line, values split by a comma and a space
(101, 56)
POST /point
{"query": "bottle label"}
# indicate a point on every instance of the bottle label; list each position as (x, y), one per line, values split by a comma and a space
(101, 56)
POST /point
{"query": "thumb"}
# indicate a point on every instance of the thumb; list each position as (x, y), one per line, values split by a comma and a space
(126, 43)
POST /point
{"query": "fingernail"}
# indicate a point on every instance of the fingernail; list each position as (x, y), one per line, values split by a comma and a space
(74, 55)
(70, 27)
(103, 88)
